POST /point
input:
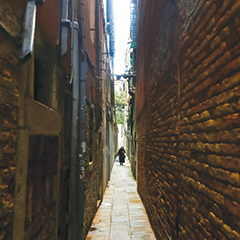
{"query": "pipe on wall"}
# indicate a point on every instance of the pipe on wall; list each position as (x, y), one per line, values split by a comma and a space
(78, 133)
(97, 31)
(82, 127)
(73, 184)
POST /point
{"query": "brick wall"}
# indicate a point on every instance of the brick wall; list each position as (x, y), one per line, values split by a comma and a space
(9, 102)
(29, 179)
(92, 164)
(8, 138)
(35, 129)
(188, 125)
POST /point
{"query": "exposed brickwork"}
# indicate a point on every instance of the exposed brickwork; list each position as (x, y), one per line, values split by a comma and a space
(36, 124)
(9, 101)
(42, 183)
(91, 195)
(188, 129)
(42, 188)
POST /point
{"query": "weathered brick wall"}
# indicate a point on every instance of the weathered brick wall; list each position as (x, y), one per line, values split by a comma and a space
(28, 205)
(91, 177)
(41, 187)
(8, 137)
(188, 129)
(157, 153)
(9, 101)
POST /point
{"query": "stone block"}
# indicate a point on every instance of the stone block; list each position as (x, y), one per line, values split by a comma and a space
(234, 179)
(231, 82)
(233, 207)
(210, 124)
(230, 163)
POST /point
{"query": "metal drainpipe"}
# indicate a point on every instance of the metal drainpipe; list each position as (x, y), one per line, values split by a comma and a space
(82, 128)
(73, 196)
(97, 62)
(97, 36)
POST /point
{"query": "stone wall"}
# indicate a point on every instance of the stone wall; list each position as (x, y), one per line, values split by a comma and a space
(188, 125)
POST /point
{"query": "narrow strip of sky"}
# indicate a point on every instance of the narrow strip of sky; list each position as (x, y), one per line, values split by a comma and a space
(121, 10)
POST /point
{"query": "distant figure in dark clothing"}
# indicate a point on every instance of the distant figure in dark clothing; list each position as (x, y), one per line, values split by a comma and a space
(121, 154)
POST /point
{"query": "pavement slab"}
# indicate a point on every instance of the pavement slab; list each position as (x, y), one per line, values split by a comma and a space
(121, 215)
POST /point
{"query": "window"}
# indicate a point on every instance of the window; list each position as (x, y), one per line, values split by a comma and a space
(45, 77)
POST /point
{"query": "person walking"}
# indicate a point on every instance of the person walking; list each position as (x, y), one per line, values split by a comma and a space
(121, 154)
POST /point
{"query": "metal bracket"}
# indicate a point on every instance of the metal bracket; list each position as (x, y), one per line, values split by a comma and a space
(76, 25)
(66, 23)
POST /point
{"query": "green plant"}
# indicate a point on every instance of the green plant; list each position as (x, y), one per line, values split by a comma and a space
(120, 104)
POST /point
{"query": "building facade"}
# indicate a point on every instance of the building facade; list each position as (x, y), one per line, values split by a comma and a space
(131, 69)
(120, 87)
(56, 117)
(187, 96)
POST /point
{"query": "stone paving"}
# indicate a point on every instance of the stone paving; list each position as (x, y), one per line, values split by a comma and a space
(121, 216)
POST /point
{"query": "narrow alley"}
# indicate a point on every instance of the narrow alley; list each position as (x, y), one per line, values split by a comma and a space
(71, 102)
(121, 216)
